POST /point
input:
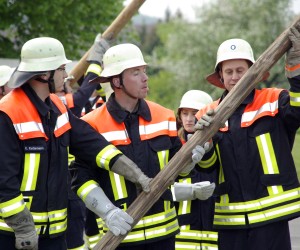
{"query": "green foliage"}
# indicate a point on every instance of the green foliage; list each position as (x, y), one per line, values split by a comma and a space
(74, 22)
(188, 50)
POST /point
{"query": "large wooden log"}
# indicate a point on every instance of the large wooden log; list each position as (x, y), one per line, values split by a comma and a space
(167, 176)
(116, 26)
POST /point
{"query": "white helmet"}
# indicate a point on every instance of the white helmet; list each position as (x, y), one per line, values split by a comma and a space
(38, 55)
(230, 49)
(195, 99)
(118, 58)
(5, 74)
(42, 54)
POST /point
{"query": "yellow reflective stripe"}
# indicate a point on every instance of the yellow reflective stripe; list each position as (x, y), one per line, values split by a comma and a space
(294, 99)
(58, 227)
(4, 226)
(12, 206)
(209, 162)
(229, 219)
(151, 233)
(185, 206)
(26, 127)
(94, 68)
(92, 240)
(118, 186)
(274, 213)
(87, 187)
(223, 198)
(162, 230)
(100, 92)
(157, 218)
(41, 217)
(157, 127)
(31, 167)
(268, 160)
(57, 215)
(105, 155)
(163, 158)
(262, 203)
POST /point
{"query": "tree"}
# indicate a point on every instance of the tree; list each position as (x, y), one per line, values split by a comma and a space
(189, 50)
(74, 22)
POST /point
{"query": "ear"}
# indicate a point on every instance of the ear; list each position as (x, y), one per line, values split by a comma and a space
(45, 76)
(116, 82)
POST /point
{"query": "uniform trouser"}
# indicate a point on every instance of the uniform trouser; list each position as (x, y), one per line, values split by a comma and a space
(7, 242)
(166, 244)
(76, 221)
(275, 236)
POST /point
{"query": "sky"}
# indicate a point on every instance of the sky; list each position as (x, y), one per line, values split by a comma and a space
(157, 8)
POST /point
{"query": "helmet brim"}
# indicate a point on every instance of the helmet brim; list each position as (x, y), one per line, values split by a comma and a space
(99, 79)
(18, 78)
(214, 79)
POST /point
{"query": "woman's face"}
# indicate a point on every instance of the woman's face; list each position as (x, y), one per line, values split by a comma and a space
(187, 116)
(232, 71)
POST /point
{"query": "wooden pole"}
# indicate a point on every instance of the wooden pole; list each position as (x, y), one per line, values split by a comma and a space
(116, 26)
(168, 174)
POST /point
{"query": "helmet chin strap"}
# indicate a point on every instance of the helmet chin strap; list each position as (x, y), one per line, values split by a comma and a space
(50, 81)
(122, 86)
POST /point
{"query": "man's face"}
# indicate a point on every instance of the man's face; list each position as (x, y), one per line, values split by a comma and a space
(59, 78)
(135, 81)
(232, 71)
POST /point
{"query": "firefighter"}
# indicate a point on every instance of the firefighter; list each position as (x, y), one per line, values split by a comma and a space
(36, 131)
(146, 133)
(195, 206)
(79, 102)
(258, 191)
(5, 74)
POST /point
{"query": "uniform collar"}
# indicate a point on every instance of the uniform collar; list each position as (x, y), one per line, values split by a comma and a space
(247, 100)
(120, 114)
(42, 107)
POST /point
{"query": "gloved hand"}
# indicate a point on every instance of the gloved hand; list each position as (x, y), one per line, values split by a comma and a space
(127, 168)
(292, 57)
(98, 49)
(24, 229)
(200, 190)
(118, 221)
(205, 120)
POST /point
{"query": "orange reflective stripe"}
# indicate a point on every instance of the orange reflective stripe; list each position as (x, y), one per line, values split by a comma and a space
(25, 117)
(292, 68)
(69, 100)
(163, 122)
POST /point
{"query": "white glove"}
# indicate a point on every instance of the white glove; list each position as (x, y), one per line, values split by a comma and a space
(98, 49)
(127, 168)
(200, 190)
(205, 120)
(24, 229)
(118, 221)
(293, 54)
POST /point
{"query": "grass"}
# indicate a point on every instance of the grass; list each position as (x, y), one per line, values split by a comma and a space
(296, 155)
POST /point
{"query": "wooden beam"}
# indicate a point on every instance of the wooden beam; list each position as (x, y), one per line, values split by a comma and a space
(116, 26)
(167, 175)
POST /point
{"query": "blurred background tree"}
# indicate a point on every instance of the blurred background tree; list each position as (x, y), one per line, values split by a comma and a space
(74, 22)
(188, 50)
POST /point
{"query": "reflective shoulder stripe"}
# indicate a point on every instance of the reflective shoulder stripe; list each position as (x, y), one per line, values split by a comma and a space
(265, 103)
(62, 123)
(69, 100)
(11, 207)
(87, 187)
